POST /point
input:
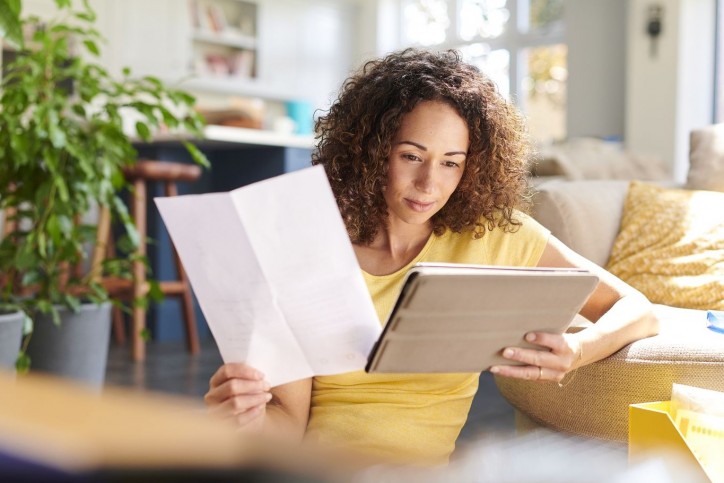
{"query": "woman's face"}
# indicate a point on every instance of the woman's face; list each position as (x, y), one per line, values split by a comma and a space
(426, 162)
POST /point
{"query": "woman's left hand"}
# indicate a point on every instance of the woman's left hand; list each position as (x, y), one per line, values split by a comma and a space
(558, 355)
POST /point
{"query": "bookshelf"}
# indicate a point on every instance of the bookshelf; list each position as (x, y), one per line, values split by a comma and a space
(223, 39)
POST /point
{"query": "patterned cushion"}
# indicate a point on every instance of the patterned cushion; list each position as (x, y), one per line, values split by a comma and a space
(671, 246)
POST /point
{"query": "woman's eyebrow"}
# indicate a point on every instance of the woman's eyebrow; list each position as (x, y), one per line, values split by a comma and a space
(423, 148)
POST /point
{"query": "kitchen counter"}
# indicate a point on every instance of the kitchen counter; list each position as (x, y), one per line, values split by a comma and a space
(219, 135)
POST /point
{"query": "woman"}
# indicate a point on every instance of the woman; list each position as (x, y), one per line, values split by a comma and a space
(428, 163)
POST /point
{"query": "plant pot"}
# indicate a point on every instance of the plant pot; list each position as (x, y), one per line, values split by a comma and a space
(11, 335)
(77, 349)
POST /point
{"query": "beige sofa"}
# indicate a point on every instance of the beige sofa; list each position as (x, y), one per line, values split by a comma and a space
(585, 214)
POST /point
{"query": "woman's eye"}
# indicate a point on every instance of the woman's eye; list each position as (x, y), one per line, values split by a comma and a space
(451, 164)
(411, 157)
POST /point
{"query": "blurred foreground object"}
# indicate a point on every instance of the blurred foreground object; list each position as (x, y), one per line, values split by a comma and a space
(51, 429)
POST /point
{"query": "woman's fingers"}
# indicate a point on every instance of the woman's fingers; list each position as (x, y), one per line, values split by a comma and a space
(238, 405)
(235, 387)
(549, 363)
(531, 373)
(234, 370)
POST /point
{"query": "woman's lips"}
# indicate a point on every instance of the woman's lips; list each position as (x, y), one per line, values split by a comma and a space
(419, 205)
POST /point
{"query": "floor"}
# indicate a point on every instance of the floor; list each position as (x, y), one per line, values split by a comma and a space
(169, 368)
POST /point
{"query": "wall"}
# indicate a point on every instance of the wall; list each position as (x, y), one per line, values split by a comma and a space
(670, 93)
(596, 38)
(305, 47)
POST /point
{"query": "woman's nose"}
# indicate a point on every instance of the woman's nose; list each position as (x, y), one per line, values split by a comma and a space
(425, 178)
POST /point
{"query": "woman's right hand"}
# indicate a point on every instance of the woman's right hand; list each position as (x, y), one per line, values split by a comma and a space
(240, 392)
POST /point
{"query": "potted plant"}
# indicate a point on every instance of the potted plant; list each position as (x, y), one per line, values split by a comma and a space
(63, 150)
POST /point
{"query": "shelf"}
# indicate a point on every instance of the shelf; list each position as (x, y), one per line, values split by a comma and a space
(223, 43)
(238, 86)
(256, 137)
(242, 136)
(226, 40)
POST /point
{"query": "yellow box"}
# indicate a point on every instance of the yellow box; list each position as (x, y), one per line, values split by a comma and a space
(652, 431)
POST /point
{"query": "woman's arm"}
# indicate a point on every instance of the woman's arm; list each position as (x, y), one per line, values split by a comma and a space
(621, 315)
(239, 392)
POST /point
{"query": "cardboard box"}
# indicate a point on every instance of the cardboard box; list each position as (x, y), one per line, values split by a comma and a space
(653, 432)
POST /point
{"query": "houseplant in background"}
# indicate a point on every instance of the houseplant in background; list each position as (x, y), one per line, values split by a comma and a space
(11, 318)
(64, 144)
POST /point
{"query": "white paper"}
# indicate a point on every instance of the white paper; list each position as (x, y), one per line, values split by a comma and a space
(276, 276)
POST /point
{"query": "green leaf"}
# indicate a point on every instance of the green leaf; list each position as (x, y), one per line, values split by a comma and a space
(79, 110)
(22, 363)
(10, 24)
(53, 228)
(42, 245)
(27, 324)
(56, 316)
(89, 11)
(92, 47)
(29, 278)
(154, 291)
(71, 302)
(197, 155)
(145, 334)
(143, 131)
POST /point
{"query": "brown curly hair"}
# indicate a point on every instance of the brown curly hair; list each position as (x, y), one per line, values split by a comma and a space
(355, 139)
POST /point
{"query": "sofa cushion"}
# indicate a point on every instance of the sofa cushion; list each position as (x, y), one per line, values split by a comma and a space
(671, 246)
(585, 215)
(592, 158)
(706, 158)
(595, 401)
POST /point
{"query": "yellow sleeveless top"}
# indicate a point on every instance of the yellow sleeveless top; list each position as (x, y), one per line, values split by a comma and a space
(414, 417)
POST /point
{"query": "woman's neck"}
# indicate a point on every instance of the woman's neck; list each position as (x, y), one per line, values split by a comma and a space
(393, 248)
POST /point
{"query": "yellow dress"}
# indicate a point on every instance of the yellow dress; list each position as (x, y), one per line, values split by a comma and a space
(414, 417)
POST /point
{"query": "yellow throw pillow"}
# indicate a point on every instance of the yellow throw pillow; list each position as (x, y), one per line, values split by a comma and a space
(671, 246)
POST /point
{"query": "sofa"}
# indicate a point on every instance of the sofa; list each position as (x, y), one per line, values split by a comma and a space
(587, 216)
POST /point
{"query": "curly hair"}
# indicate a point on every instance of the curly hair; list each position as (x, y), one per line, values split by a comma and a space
(355, 140)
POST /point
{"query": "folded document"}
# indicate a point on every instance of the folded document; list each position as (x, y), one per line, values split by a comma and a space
(276, 276)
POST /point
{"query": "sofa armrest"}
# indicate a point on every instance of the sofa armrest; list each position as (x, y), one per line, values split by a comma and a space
(583, 214)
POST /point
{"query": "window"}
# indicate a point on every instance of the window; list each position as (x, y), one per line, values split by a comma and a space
(518, 43)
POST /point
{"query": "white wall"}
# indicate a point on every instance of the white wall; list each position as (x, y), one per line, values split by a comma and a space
(671, 93)
(596, 38)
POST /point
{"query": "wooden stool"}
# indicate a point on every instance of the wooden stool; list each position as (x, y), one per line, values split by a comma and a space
(143, 172)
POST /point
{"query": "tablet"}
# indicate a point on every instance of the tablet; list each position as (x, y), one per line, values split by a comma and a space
(459, 318)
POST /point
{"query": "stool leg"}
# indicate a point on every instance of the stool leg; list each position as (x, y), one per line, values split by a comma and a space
(138, 346)
(119, 326)
(187, 303)
(119, 329)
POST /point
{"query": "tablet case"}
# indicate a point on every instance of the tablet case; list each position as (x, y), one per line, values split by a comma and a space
(459, 318)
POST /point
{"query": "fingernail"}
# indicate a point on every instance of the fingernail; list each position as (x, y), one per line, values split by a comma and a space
(268, 396)
(260, 375)
(508, 353)
(266, 386)
(495, 369)
(530, 337)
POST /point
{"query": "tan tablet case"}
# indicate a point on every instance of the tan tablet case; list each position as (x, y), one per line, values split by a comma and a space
(458, 318)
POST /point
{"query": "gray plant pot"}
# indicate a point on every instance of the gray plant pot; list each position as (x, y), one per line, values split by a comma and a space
(11, 335)
(77, 349)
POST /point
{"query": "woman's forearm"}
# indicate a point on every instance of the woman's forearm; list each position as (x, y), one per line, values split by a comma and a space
(629, 319)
